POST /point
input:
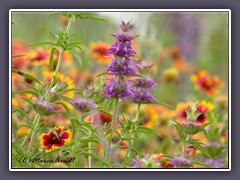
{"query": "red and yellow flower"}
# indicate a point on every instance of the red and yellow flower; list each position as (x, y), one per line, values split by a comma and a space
(99, 52)
(207, 83)
(203, 108)
(39, 56)
(55, 139)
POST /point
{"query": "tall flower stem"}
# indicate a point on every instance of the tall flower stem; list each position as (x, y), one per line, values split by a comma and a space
(90, 146)
(112, 126)
(58, 67)
(184, 146)
(76, 138)
(37, 119)
(136, 119)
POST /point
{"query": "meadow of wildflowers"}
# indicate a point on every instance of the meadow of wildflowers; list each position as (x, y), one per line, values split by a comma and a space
(106, 90)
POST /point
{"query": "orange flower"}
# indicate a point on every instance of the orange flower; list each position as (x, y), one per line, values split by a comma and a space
(99, 52)
(56, 139)
(170, 75)
(206, 83)
(39, 56)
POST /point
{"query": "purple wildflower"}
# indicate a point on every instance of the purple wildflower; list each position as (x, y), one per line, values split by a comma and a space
(82, 104)
(114, 88)
(121, 66)
(123, 47)
(142, 96)
(140, 89)
(137, 163)
(180, 162)
(146, 83)
(43, 108)
(216, 163)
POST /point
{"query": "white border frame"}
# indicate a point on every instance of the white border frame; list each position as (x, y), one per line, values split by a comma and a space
(119, 10)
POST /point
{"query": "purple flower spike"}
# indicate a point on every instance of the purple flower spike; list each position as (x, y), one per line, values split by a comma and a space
(121, 66)
(117, 89)
(82, 104)
(124, 49)
(142, 96)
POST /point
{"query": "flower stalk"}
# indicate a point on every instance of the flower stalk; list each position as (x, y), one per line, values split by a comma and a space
(112, 127)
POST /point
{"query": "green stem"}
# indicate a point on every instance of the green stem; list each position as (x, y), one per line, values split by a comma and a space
(37, 119)
(112, 127)
(76, 141)
(90, 146)
(58, 67)
(136, 120)
(184, 146)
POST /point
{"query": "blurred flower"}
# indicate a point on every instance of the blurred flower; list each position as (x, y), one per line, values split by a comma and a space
(151, 116)
(145, 83)
(221, 101)
(186, 28)
(216, 163)
(121, 66)
(180, 162)
(22, 131)
(170, 75)
(114, 88)
(105, 118)
(39, 56)
(14, 102)
(83, 104)
(55, 138)
(19, 48)
(99, 52)
(206, 83)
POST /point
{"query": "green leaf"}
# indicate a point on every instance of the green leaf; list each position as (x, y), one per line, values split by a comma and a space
(26, 75)
(51, 59)
(64, 106)
(163, 104)
(16, 110)
(147, 130)
(30, 86)
(16, 56)
(180, 130)
(26, 92)
(203, 126)
(77, 56)
(200, 148)
(101, 74)
(202, 164)
(29, 101)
